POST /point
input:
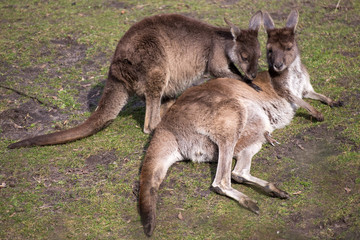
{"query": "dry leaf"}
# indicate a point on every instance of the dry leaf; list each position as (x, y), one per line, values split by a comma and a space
(297, 193)
(301, 147)
(45, 206)
(17, 126)
(180, 216)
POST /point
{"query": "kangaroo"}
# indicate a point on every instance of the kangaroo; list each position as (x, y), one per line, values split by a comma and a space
(158, 58)
(225, 118)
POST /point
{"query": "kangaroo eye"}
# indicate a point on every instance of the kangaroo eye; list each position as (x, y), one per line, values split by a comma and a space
(288, 48)
(244, 58)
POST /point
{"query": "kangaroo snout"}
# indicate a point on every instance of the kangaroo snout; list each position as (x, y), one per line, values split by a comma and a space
(251, 71)
(277, 59)
(252, 76)
(279, 66)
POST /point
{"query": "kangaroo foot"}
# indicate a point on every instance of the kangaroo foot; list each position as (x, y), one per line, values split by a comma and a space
(250, 204)
(276, 192)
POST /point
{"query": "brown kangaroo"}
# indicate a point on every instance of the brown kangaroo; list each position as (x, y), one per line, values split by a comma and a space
(225, 118)
(158, 58)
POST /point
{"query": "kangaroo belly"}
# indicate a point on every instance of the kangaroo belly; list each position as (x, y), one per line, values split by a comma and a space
(198, 148)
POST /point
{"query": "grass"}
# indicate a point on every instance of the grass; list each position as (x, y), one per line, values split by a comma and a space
(59, 52)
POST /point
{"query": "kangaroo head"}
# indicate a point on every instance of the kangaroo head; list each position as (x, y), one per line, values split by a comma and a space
(246, 49)
(281, 47)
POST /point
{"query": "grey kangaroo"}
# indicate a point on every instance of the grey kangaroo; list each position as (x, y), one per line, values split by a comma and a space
(158, 58)
(225, 118)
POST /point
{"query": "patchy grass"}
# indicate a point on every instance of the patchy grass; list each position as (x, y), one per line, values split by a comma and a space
(57, 54)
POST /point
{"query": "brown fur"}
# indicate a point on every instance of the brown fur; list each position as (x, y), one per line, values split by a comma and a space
(226, 118)
(158, 58)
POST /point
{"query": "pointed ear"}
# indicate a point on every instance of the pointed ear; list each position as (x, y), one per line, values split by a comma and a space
(292, 19)
(268, 21)
(256, 21)
(235, 31)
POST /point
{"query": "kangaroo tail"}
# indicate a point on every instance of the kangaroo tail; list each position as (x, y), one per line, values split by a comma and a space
(114, 97)
(161, 154)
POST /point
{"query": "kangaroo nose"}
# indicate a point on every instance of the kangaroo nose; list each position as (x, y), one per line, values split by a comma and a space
(253, 75)
(278, 65)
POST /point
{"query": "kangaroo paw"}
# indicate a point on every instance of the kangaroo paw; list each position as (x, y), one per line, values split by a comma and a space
(337, 104)
(319, 117)
(254, 86)
(269, 138)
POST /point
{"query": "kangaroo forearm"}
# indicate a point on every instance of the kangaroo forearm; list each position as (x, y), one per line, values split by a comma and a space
(226, 74)
(324, 99)
(308, 107)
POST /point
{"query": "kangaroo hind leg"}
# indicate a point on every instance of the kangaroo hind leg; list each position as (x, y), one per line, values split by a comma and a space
(222, 181)
(241, 172)
(230, 119)
(161, 154)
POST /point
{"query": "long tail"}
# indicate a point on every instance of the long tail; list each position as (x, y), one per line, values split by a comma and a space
(161, 154)
(114, 97)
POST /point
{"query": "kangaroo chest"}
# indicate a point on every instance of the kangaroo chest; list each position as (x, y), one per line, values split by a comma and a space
(297, 78)
(278, 113)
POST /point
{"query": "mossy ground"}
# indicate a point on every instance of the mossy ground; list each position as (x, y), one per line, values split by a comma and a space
(56, 54)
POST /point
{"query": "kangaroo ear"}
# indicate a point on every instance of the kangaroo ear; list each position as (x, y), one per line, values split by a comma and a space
(268, 21)
(256, 21)
(292, 19)
(235, 31)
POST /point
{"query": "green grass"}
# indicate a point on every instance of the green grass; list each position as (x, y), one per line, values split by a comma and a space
(58, 51)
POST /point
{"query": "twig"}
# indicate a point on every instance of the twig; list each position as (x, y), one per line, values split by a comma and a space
(22, 94)
(26, 95)
(337, 5)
